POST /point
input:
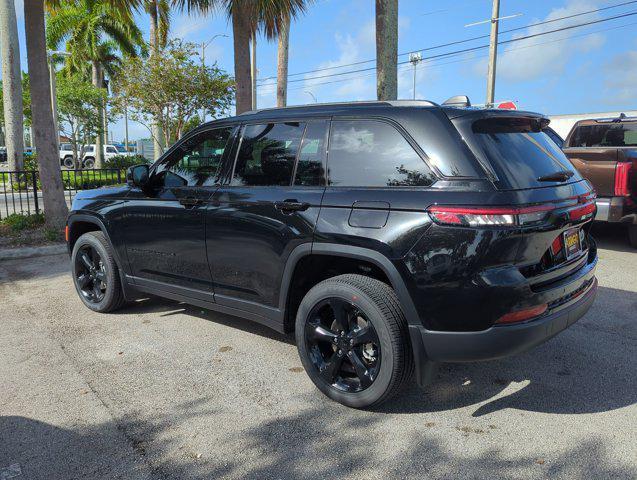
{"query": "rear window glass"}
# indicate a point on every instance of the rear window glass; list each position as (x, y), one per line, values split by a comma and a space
(605, 135)
(519, 152)
(368, 153)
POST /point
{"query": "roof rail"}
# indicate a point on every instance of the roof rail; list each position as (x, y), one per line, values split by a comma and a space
(622, 117)
(363, 103)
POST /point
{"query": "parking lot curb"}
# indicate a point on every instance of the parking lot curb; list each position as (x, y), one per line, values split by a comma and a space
(28, 252)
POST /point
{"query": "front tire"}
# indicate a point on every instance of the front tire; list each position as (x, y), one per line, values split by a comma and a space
(352, 339)
(632, 235)
(89, 163)
(68, 162)
(95, 273)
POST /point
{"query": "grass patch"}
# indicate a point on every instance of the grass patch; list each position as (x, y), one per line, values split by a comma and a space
(27, 230)
(16, 222)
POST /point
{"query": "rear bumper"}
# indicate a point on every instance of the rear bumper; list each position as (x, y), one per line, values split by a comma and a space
(498, 341)
(614, 209)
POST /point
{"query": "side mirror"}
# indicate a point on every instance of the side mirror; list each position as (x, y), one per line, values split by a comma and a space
(137, 176)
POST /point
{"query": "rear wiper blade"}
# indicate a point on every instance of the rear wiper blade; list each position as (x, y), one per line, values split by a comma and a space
(560, 176)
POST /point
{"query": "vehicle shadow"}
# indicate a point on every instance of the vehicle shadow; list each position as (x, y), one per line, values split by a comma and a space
(612, 236)
(588, 368)
(167, 308)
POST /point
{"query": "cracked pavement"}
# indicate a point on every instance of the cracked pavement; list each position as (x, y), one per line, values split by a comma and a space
(162, 390)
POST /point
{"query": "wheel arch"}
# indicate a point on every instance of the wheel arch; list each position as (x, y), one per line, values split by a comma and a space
(367, 255)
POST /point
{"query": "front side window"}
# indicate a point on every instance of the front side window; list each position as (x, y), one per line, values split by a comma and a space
(605, 135)
(267, 154)
(368, 153)
(196, 161)
(111, 150)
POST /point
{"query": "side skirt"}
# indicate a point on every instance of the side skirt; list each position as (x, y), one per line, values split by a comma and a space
(250, 311)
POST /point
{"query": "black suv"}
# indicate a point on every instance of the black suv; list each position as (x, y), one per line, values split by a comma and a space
(389, 236)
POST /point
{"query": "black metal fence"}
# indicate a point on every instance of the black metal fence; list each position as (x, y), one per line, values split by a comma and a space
(21, 191)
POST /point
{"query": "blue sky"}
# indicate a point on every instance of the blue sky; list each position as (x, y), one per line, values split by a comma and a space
(587, 69)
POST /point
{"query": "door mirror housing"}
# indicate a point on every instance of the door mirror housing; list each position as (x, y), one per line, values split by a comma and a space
(137, 176)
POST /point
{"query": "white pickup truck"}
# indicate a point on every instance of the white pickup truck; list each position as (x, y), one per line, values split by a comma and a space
(88, 157)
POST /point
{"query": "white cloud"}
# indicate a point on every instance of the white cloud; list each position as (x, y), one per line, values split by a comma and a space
(526, 60)
(621, 79)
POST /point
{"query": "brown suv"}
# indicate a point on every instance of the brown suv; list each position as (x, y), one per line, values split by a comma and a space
(605, 152)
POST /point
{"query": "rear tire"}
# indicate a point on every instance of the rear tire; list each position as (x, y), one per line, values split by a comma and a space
(89, 162)
(632, 235)
(95, 273)
(372, 368)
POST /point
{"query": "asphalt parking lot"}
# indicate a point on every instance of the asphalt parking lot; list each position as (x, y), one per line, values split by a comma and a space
(163, 390)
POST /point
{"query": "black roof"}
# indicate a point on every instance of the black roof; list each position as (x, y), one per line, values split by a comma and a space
(372, 107)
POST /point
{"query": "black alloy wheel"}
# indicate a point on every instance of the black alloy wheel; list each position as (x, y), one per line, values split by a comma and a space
(343, 345)
(96, 274)
(90, 274)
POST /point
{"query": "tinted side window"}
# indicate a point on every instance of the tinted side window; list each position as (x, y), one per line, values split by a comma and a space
(310, 170)
(196, 161)
(605, 135)
(267, 154)
(370, 153)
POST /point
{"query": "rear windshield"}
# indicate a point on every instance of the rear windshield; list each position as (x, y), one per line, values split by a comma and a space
(519, 152)
(605, 135)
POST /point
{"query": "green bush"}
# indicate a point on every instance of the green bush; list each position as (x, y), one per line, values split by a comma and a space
(125, 161)
(18, 222)
(31, 162)
(52, 235)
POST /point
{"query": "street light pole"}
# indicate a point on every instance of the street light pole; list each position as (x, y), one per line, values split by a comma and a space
(204, 45)
(311, 95)
(415, 59)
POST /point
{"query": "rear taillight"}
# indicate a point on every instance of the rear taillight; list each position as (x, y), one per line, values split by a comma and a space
(621, 179)
(522, 315)
(488, 216)
(66, 233)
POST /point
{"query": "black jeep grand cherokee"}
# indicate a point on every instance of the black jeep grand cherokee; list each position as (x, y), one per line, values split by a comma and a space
(387, 235)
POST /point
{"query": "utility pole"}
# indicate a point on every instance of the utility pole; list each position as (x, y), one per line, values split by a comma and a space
(415, 59)
(493, 48)
(493, 52)
(253, 70)
(54, 100)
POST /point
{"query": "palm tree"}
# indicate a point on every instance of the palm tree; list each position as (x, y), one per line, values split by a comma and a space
(159, 11)
(283, 50)
(248, 16)
(386, 49)
(84, 24)
(43, 126)
(12, 85)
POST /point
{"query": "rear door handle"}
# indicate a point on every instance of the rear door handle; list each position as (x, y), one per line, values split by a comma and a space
(291, 206)
(189, 201)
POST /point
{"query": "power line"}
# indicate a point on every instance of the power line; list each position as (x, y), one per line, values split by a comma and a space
(471, 49)
(458, 42)
(431, 63)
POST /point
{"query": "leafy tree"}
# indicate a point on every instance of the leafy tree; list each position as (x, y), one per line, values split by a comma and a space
(79, 105)
(170, 88)
(84, 25)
